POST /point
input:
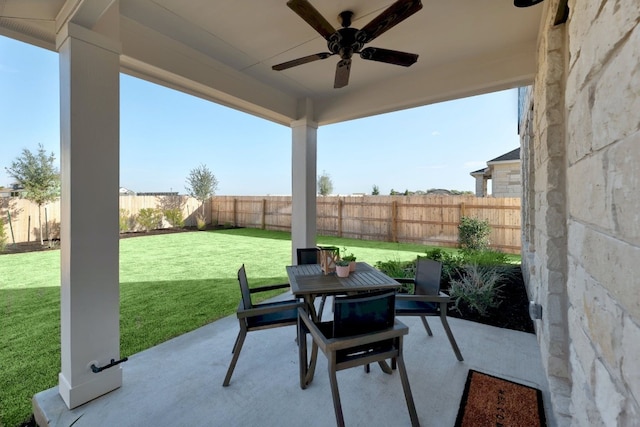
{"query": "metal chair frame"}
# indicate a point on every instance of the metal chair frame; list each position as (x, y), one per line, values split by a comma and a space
(427, 299)
(254, 317)
(357, 348)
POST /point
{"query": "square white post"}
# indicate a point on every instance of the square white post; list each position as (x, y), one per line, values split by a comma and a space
(303, 185)
(89, 294)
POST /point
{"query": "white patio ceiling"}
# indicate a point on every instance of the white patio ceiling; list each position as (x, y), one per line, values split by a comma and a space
(223, 51)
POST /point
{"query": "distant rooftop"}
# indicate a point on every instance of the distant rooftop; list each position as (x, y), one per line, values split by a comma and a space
(511, 155)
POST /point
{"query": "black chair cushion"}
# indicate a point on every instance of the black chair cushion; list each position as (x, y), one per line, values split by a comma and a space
(273, 318)
(308, 255)
(415, 307)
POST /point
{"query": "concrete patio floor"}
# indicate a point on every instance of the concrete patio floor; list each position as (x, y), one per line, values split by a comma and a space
(179, 382)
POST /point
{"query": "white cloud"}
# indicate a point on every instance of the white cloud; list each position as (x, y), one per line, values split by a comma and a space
(435, 133)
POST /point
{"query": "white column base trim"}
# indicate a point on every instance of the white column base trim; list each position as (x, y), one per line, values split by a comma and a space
(103, 383)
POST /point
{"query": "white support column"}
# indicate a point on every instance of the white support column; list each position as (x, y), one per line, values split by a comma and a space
(303, 185)
(90, 127)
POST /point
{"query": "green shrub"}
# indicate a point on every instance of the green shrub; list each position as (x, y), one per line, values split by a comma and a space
(487, 257)
(451, 261)
(201, 223)
(149, 219)
(3, 236)
(478, 288)
(396, 268)
(174, 217)
(473, 233)
(498, 261)
(399, 269)
(125, 221)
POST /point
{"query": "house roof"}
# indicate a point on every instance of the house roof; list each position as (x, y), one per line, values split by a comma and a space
(224, 51)
(510, 156)
(513, 155)
(480, 171)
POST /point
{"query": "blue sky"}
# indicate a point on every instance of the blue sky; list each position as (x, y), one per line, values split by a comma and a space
(164, 134)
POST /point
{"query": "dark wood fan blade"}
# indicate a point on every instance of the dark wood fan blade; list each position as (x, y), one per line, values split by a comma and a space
(306, 11)
(342, 73)
(300, 61)
(390, 56)
(393, 15)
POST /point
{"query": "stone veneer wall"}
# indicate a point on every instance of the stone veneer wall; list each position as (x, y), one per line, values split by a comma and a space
(581, 221)
(481, 186)
(506, 179)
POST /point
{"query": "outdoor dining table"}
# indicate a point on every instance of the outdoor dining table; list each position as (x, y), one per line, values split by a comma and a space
(309, 282)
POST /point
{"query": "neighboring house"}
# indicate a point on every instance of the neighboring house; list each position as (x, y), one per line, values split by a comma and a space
(126, 192)
(159, 193)
(14, 191)
(505, 175)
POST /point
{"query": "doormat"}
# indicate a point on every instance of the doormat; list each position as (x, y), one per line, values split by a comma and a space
(493, 401)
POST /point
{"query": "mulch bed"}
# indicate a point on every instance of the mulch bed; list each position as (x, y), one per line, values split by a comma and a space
(512, 313)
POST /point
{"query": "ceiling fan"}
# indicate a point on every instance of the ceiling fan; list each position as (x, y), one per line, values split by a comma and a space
(347, 40)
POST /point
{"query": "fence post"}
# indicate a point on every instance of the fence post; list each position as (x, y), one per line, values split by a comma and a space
(339, 217)
(394, 221)
(215, 206)
(462, 212)
(13, 238)
(235, 212)
(211, 211)
(264, 213)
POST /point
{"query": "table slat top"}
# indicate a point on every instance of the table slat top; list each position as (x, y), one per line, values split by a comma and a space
(309, 279)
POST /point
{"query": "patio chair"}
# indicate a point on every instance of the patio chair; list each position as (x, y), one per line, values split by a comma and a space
(364, 330)
(427, 299)
(310, 256)
(254, 317)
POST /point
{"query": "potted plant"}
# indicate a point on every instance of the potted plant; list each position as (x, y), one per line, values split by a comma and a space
(342, 268)
(351, 258)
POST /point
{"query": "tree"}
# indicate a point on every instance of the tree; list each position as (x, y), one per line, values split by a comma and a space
(39, 177)
(201, 184)
(375, 191)
(325, 185)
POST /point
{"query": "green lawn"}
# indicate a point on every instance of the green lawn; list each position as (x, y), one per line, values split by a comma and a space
(169, 284)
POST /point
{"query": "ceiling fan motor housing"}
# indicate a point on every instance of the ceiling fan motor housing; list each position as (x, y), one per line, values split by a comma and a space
(344, 42)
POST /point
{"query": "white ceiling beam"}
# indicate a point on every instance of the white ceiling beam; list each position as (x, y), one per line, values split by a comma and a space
(85, 13)
(169, 63)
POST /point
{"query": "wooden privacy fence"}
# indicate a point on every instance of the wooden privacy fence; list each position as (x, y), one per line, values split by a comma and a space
(24, 214)
(430, 220)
